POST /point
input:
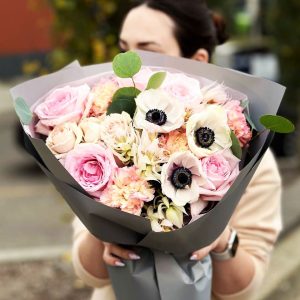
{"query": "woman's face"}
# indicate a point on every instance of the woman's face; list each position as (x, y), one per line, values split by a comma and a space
(148, 29)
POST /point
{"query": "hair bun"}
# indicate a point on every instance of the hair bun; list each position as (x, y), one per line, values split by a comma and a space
(220, 25)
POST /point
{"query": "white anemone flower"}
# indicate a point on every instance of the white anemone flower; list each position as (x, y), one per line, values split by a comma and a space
(158, 112)
(208, 132)
(182, 177)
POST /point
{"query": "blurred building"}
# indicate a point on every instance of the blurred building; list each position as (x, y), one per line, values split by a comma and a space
(25, 30)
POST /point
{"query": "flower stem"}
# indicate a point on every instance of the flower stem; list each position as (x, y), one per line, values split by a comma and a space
(134, 85)
(259, 133)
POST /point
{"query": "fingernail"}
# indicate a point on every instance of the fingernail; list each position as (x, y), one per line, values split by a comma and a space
(134, 256)
(119, 264)
(194, 257)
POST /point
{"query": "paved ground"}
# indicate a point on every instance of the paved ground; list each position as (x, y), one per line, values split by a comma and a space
(35, 221)
(284, 268)
(288, 289)
(32, 214)
(46, 280)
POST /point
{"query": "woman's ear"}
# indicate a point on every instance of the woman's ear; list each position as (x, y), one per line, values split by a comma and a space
(201, 55)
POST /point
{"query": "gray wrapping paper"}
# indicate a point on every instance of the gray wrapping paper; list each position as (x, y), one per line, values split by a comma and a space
(170, 274)
(164, 271)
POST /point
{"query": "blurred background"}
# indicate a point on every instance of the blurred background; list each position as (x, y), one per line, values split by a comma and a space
(41, 36)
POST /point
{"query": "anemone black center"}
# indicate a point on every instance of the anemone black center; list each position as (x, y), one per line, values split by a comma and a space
(156, 116)
(181, 178)
(205, 137)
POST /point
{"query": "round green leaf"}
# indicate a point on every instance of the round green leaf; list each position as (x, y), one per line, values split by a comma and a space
(156, 80)
(126, 65)
(23, 111)
(118, 107)
(124, 100)
(236, 147)
(277, 124)
(126, 93)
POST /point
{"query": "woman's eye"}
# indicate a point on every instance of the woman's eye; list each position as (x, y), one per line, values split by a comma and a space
(151, 50)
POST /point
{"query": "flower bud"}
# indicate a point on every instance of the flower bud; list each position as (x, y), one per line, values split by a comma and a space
(175, 216)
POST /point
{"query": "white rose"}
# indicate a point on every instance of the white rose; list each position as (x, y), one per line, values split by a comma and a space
(63, 138)
(215, 93)
(91, 128)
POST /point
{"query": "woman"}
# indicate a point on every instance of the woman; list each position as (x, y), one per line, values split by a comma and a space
(187, 28)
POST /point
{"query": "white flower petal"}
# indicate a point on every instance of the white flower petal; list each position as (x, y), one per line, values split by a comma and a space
(197, 207)
(185, 196)
(155, 226)
(182, 196)
(160, 100)
(215, 118)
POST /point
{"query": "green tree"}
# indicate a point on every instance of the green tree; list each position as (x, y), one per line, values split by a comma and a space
(86, 30)
(284, 27)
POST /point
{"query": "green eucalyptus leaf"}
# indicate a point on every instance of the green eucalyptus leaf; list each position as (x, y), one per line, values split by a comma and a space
(118, 107)
(156, 80)
(126, 65)
(236, 147)
(125, 93)
(277, 124)
(23, 111)
(124, 100)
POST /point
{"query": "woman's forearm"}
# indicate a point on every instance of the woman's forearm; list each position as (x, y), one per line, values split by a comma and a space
(233, 275)
(91, 256)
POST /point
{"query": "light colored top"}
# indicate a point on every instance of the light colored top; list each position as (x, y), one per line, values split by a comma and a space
(257, 220)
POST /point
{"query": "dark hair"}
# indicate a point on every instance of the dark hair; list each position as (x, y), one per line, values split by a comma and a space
(196, 26)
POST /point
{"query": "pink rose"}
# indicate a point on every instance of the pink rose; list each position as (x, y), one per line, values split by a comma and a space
(185, 89)
(92, 166)
(237, 122)
(65, 104)
(140, 79)
(220, 170)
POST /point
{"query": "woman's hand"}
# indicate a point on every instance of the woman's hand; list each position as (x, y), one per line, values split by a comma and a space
(113, 254)
(219, 245)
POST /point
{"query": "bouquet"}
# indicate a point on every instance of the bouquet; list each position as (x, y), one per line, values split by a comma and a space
(144, 155)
